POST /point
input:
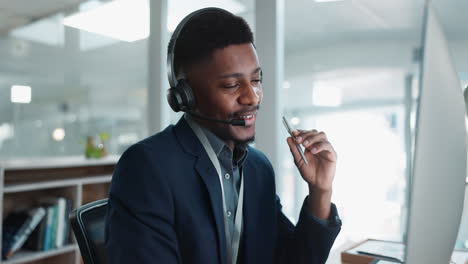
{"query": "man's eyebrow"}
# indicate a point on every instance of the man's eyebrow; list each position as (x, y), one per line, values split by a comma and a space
(238, 74)
(259, 69)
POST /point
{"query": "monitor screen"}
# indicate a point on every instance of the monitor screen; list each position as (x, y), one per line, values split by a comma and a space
(438, 177)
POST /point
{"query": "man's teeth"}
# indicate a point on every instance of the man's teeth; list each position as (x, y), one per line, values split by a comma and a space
(246, 116)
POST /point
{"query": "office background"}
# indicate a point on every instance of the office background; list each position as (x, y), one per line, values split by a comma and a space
(349, 68)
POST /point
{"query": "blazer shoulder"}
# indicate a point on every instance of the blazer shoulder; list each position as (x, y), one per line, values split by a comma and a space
(148, 157)
(160, 139)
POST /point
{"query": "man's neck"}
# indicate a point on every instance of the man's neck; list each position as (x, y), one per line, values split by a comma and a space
(230, 144)
(206, 124)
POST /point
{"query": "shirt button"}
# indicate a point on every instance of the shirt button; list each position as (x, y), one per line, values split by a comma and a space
(227, 176)
(228, 213)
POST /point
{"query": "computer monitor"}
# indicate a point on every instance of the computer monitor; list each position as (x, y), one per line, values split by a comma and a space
(438, 177)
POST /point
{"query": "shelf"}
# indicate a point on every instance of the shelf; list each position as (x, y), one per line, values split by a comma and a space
(56, 162)
(22, 187)
(24, 184)
(24, 256)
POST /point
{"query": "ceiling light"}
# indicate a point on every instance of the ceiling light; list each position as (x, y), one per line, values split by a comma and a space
(58, 134)
(20, 94)
(126, 20)
(295, 121)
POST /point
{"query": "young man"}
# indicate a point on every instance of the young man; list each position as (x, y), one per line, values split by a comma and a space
(196, 192)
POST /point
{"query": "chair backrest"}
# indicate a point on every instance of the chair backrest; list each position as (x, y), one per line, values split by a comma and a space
(88, 223)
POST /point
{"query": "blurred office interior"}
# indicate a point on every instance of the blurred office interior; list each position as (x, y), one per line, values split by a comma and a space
(348, 67)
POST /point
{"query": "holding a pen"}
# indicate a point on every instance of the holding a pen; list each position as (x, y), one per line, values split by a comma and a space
(317, 166)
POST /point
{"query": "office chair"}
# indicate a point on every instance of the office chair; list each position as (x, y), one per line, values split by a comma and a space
(88, 226)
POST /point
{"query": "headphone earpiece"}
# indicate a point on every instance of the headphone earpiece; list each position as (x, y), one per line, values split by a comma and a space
(174, 99)
(186, 93)
(181, 98)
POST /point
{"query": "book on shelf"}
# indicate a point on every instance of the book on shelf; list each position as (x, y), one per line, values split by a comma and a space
(66, 227)
(35, 240)
(48, 228)
(60, 232)
(54, 237)
(53, 231)
(17, 227)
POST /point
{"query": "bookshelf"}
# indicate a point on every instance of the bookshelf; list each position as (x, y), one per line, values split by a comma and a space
(24, 182)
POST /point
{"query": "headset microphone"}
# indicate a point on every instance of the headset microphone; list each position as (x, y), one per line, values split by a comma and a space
(232, 122)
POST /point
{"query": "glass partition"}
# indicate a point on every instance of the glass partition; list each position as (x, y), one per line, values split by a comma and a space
(352, 73)
(80, 80)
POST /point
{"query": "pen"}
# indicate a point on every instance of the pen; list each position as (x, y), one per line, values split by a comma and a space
(288, 128)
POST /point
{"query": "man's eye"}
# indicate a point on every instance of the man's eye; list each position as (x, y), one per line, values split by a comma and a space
(234, 85)
(257, 81)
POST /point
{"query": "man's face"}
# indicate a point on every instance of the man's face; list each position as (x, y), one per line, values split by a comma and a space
(227, 86)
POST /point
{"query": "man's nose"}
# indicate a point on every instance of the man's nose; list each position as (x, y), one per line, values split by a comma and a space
(251, 95)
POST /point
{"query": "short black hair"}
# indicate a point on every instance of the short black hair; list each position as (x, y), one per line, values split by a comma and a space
(206, 32)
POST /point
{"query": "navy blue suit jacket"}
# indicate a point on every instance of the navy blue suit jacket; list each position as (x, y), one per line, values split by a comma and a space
(165, 206)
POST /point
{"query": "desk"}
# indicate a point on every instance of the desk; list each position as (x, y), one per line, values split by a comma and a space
(387, 248)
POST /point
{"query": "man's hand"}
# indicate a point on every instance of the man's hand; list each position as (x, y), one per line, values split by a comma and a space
(320, 170)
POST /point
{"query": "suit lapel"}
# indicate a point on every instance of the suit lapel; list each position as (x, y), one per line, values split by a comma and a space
(209, 176)
(251, 209)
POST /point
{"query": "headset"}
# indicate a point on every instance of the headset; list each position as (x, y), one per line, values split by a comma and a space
(180, 95)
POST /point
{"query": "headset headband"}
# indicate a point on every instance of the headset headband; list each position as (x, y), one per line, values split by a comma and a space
(172, 43)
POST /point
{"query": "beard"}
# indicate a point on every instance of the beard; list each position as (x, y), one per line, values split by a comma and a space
(225, 133)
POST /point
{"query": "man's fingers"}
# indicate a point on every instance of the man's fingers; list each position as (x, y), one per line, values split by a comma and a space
(297, 132)
(321, 147)
(294, 150)
(303, 133)
(312, 139)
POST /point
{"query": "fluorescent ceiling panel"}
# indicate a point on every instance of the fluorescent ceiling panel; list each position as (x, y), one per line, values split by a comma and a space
(125, 20)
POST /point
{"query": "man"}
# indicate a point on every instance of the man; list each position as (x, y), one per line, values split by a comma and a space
(196, 192)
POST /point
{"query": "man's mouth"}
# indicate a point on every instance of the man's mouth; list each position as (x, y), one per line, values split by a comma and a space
(246, 116)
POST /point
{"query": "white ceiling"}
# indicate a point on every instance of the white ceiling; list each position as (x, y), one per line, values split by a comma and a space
(15, 13)
(307, 22)
(319, 24)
